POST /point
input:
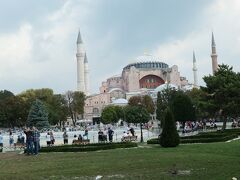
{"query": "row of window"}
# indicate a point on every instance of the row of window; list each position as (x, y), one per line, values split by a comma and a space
(149, 86)
(96, 102)
(150, 80)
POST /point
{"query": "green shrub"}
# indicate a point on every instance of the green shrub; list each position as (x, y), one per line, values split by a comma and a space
(202, 138)
(88, 147)
(209, 140)
(153, 141)
(169, 136)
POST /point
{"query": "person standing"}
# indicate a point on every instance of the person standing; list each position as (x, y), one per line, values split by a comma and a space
(36, 140)
(110, 134)
(52, 138)
(1, 142)
(48, 139)
(65, 137)
(11, 139)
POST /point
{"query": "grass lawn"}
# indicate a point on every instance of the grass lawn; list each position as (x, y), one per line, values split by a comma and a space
(193, 161)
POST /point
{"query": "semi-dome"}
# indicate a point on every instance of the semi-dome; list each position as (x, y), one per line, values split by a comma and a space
(147, 62)
(165, 86)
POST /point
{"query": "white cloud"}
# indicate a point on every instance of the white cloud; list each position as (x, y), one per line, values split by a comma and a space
(221, 17)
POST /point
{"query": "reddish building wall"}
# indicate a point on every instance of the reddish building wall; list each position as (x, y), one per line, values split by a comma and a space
(150, 82)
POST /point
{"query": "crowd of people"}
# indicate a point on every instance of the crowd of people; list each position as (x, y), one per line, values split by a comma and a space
(102, 135)
(32, 140)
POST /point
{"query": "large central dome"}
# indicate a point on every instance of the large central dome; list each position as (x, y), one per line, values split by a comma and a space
(147, 62)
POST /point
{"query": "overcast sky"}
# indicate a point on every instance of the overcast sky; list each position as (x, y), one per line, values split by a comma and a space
(38, 38)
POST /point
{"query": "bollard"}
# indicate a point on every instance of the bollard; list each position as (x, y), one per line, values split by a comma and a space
(116, 137)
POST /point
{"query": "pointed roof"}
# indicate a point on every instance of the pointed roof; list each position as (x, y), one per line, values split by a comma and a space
(213, 41)
(194, 58)
(85, 58)
(79, 38)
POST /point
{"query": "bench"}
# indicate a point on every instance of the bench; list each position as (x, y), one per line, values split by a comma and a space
(84, 141)
(129, 138)
(19, 145)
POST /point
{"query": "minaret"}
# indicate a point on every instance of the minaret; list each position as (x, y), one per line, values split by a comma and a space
(214, 56)
(80, 64)
(195, 83)
(86, 75)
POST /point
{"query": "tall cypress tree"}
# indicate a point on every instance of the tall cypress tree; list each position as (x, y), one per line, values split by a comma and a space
(38, 115)
(169, 136)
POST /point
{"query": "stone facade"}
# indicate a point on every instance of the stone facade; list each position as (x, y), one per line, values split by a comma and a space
(137, 78)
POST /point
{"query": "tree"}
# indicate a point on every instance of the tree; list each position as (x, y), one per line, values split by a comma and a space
(169, 136)
(182, 108)
(11, 110)
(38, 115)
(145, 101)
(4, 96)
(223, 90)
(137, 114)
(75, 102)
(164, 99)
(120, 112)
(203, 107)
(109, 115)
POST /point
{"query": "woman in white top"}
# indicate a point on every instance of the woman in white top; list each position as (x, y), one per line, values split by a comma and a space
(48, 138)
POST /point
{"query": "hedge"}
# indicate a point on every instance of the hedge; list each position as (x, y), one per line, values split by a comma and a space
(201, 138)
(209, 140)
(88, 147)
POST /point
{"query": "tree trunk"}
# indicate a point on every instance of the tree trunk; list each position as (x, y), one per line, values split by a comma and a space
(224, 123)
(141, 133)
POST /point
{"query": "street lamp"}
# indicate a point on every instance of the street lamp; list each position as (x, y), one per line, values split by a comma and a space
(140, 105)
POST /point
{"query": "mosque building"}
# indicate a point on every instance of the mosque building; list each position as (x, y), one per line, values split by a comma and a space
(147, 76)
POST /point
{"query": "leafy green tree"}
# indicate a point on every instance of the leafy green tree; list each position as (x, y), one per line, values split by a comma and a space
(75, 102)
(223, 90)
(5, 95)
(120, 112)
(169, 136)
(11, 110)
(38, 115)
(137, 114)
(182, 108)
(164, 99)
(145, 101)
(109, 115)
(203, 106)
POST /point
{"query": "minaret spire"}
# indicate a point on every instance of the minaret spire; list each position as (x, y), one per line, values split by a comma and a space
(214, 55)
(79, 38)
(80, 64)
(195, 83)
(86, 75)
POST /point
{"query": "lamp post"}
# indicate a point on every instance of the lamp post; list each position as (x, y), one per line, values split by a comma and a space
(140, 105)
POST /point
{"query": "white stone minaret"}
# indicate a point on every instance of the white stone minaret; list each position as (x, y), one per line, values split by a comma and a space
(80, 64)
(86, 75)
(195, 83)
(214, 56)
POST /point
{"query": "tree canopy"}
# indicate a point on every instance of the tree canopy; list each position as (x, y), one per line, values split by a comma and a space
(38, 115)
(109, 115)
(136, 114)
(182, 107)
(223, 89)
(145, 101)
